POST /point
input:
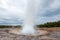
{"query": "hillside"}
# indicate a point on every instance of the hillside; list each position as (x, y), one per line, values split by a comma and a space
(50, 24)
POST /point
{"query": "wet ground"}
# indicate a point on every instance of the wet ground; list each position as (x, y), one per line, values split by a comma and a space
(5, 35)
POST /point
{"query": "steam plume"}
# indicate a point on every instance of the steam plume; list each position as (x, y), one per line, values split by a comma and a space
(30, 15)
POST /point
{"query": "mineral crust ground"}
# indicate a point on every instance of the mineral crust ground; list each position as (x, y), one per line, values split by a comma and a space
(5, 35)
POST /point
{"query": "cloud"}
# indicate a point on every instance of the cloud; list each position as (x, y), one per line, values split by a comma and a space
(43, 20)
(50, 11)
(13, 11)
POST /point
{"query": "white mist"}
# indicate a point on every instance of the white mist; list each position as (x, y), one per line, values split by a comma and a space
(30, 15)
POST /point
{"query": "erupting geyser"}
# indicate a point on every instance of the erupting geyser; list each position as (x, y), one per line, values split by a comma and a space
(30, 15)
(29, 23)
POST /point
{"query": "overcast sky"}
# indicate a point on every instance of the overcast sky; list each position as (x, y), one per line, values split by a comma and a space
(12, 11)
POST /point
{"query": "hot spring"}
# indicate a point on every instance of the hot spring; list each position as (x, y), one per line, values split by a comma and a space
(29, 23)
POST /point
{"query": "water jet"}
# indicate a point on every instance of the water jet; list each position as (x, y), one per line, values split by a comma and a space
(30, 20)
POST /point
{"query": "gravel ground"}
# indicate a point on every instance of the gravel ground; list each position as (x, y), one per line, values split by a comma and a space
(5, 35)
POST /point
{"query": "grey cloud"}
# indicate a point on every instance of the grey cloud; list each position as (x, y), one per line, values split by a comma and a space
(49, 10)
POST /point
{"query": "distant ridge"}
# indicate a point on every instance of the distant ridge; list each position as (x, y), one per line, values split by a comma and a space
(50, 24)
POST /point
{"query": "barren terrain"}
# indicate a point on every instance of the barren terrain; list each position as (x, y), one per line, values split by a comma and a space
(54, 34)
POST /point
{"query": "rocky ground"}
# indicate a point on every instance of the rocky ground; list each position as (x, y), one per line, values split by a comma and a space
(5, 35)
